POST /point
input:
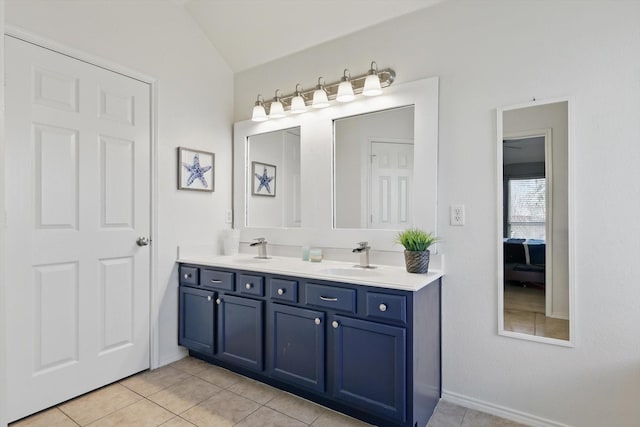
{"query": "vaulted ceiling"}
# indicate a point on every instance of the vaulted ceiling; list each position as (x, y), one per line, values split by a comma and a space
(248, 33)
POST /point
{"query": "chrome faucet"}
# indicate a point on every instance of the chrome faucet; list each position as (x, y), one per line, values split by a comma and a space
(261, 243)
(363, 249)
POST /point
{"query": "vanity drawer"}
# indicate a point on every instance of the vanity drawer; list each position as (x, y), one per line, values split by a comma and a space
(188, 275)
(331, 297)
(283, 290)
(250, 285)
(217, 279)
(387, 307)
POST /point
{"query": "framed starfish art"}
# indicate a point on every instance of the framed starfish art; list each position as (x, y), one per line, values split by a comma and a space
(195, 170)
(264, 179)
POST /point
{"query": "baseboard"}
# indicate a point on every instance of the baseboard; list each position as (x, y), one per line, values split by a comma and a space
(174, 357)
(500, 411)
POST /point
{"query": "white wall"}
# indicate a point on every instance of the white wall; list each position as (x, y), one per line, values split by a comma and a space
(3, 356)
(195, 92)
(492, 53)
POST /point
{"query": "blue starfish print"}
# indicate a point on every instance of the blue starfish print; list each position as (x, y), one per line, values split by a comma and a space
(196, 171)
(264, 181)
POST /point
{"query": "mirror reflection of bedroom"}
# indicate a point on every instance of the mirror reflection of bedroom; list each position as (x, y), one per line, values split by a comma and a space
(534, 224)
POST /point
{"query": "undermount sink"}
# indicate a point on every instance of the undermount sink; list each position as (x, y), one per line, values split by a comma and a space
(351, 272)
(250, 260)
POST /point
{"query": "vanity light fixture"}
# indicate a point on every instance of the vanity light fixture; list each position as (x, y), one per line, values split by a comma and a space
(320, 98)
(276, 110)
(259, 113)
(345, 90)
(372, 82)
(298, 104)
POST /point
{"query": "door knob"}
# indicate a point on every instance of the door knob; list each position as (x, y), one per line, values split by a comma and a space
(143, 241)
(335, 324)
(317, 320)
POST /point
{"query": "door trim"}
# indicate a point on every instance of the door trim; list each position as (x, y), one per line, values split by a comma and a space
(97, 61)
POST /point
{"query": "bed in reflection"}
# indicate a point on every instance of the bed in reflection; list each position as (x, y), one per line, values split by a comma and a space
(524, 261)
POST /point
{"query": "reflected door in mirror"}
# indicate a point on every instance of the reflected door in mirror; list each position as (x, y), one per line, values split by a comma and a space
(373, 170)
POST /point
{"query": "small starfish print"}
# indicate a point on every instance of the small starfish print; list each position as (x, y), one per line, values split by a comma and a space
(196, 171)
(264, 181)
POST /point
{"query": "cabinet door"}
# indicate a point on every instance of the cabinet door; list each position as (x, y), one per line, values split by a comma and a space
(369, 366)
(298, 337)
(196, 320)
(241, 331)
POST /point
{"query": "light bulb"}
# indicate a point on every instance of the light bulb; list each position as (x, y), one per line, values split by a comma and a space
(320, 99)
(345, 90)
(372, 82)
(276, 110)
(297, 102)
(259, 114)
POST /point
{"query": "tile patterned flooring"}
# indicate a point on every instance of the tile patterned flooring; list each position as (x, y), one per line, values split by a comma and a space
(524, 309)
(191, 393)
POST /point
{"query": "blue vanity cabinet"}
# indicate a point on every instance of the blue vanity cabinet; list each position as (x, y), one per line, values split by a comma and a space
(297, 346)
(241, 331)
(371, 352)
(196, 323)
(370, 366)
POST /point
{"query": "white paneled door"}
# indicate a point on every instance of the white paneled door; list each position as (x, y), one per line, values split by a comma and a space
(78, 198)
(391, 181)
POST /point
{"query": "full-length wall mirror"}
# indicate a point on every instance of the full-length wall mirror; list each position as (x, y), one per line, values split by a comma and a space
(273, 199)
(305, 215)
(534, 210)
(373, 170)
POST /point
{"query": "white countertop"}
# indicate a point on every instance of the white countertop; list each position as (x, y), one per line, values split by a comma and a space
(383, 276)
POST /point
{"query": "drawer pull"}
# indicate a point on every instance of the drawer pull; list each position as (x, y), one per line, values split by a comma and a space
(316, 320)
(218, 301)
(248, 286)
(331, 299)
(280, 291)
(216, 281)
(208, 297)
(187, 275)
(383, 307)
(335, 324)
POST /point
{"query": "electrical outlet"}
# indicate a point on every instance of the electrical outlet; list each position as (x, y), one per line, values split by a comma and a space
(457, 215)
(228, 216)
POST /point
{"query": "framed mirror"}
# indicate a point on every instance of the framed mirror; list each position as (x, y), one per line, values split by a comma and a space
(273, 199)
(535, 278)
(373, 170)
(316, 182)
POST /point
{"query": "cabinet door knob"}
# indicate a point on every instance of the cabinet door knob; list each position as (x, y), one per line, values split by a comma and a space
(248, 286)
(280, 291)
(316, 320)
(187, 275)
(208, 297)
(335, 324)
(383, 307)
(218, 301)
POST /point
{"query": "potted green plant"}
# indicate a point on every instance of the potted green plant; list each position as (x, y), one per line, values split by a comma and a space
(416, 243)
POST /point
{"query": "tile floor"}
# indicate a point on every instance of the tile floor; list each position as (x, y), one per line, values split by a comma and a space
(191, 393)
(524, 312)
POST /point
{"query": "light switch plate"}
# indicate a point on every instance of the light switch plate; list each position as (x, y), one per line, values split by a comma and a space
(457, 215)
(228, 216)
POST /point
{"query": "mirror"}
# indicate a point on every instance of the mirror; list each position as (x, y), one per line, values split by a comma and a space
(314, 225)
(535, 280)
(373, 170)
(274, 174)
